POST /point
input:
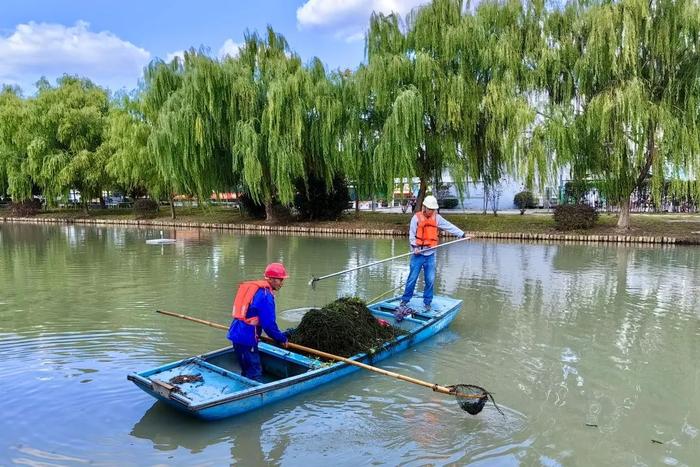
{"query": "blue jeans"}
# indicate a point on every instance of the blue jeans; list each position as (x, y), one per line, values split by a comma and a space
(249, 359)
(427, 263)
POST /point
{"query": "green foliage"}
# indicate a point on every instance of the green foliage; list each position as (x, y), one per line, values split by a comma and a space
(145, 208)
(190, 124)
(314, 202)
(443, 92)
(524, 200)
(14, 140)
(575, 190)
(132, 164)
(624, 100)
(574, 217)
(260, 120)
(65, 133)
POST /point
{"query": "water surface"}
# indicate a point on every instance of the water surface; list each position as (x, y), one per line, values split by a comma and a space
(591, 351)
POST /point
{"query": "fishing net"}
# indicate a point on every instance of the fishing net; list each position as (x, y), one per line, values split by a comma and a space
(472, 398)
(344, 327)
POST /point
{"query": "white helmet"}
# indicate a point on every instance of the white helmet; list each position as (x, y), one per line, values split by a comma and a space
(430, 202)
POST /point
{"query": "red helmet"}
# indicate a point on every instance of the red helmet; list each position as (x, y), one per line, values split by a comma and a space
(276, 271)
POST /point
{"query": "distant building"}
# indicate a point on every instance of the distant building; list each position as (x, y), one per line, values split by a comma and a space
(475, 197)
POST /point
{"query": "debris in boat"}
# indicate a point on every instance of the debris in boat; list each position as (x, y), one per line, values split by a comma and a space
(472, 398)
(182, 379)
(344, 327)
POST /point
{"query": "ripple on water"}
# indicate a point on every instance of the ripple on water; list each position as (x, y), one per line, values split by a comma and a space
(389, 427)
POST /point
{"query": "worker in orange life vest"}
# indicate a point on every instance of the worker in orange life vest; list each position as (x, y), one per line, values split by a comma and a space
(253, 313)
(423, 234)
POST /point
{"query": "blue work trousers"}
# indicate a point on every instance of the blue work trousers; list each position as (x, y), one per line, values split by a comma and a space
(418, 262)
(249, 359)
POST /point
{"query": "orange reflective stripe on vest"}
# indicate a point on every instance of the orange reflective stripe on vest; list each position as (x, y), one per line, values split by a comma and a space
(244, 297)
(427, 231)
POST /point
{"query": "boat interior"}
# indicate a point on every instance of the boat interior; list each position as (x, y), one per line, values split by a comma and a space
(216, 374)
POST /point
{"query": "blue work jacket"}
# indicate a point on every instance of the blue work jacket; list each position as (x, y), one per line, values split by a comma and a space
(262, 306)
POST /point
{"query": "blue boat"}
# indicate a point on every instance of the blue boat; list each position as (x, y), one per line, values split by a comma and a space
(210, 386)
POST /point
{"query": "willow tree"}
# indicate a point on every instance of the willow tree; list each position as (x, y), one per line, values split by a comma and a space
(637, 98)
(14, 139)
(446, 92)
(259, 120)
(65, 132)
(187, 107)
(283, 120)
(132, 164)
(324, 117)
(361, 127)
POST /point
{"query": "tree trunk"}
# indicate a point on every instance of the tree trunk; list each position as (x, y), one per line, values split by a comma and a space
(421, 194)
(486, 199)
(623, 221)
(86, 205)
(172, 207)
(103, 204)
(269, 211)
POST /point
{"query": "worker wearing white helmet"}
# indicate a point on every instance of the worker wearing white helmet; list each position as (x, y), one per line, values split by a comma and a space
(423, 237)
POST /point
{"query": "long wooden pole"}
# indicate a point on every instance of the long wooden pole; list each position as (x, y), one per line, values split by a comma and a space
(313, 281)
(329, 356)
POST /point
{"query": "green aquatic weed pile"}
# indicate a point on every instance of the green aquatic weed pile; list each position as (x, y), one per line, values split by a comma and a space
(344, 327)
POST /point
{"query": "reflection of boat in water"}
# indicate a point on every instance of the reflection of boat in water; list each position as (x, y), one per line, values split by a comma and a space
(211, 387)
(170, 431)
(161, 240)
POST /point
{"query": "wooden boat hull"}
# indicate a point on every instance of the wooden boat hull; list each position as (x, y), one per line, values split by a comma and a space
(222, 392)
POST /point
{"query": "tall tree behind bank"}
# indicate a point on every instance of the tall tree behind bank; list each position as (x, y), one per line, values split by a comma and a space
(132, 164)
(65, 132)
(187, 107)
(259, 120)
(14, 139)
(636, 106)
(285, 121)
(445, 93)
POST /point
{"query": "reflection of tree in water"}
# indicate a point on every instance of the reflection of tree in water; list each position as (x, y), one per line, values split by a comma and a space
(579, 258)
(558, 314)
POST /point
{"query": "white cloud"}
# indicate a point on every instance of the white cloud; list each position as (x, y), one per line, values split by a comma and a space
(229, 48)
(348, 19)
(178, 53)
(34, 49)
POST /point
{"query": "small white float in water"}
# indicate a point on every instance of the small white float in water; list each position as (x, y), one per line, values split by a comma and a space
(161, 240)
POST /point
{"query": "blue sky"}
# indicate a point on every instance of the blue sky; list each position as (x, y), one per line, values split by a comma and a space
(110, 42)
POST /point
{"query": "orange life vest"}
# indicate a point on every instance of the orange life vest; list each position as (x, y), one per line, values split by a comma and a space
(244, 297)
(427, 231)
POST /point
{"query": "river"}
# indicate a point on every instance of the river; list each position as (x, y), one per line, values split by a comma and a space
(591, 351)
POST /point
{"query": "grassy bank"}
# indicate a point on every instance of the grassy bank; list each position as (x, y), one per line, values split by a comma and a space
(681, 226)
